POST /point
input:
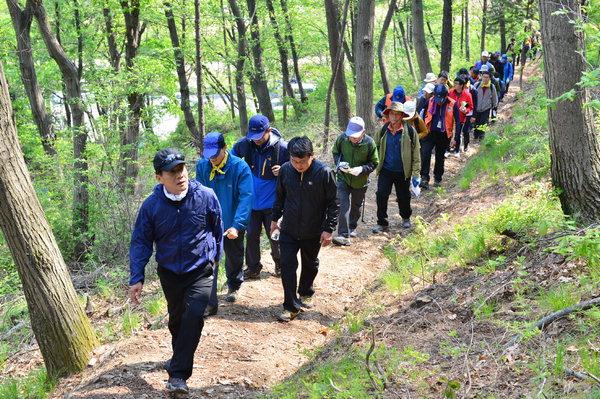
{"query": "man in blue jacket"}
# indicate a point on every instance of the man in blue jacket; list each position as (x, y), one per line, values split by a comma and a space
(264, 151)
(183, 219)
(230, 178)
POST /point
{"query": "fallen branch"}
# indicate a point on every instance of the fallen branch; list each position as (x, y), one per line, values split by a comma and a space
(379, 370)
(334, 387)
(582, 376)
(12, 330)
(546, 321)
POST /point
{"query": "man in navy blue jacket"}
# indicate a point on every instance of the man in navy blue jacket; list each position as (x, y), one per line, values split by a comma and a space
(264, 150)
(183, 219)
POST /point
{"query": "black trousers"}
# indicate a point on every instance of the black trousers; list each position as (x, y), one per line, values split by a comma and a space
(438, 141)
(385, 181)
(309, 252)
(258, 220)
(350, 201)
(187, 296)
(481, 121)
(457, 136)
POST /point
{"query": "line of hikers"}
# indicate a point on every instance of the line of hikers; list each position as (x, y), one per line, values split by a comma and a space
(264, 182)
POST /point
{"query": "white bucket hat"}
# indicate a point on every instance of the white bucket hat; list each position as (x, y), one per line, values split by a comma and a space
(430, 77)
(410, 108)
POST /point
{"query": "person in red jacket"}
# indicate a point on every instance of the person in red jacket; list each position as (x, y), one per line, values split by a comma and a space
(465, 107)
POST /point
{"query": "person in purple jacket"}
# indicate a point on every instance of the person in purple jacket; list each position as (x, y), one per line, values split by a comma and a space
(182, 219)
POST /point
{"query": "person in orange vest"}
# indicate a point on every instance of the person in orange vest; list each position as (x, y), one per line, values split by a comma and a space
(398, 95)
(442, 117)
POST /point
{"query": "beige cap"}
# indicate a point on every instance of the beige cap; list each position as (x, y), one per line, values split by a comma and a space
(430, 77)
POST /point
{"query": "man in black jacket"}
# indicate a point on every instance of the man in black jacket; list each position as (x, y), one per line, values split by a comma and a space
(306, 197)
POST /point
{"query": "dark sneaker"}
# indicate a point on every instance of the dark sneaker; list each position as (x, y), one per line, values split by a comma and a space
(211, 310)
(277, 268)
(232, 295)
(166, 365)
(250, 274)
(406, 223)
(437, 183)
(353, 234)
(341, 240)
(380, 229)
(424, 184)
(306, 302)
(177, 385)
(287, 316)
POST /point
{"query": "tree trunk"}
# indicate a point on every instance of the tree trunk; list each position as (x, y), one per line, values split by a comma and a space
(239, 66)
(380, 46)
(419, 38)
(573, 140)
(290, 38)
(502, 23)
(467, 47)
(21, 20)
(342, 100)
(62, 330)
(409, 58)
(70, 76)
(483, 25)
(199, 75)
(259, 77)
(365, 62)
(226, 47)
(446, 54)
(283, 54)
(462, 31)
(181, 75)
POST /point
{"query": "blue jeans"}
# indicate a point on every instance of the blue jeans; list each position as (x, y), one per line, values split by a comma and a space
(350, 201)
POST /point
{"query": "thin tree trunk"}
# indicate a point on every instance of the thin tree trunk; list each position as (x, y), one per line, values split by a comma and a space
(446, 53)
(467, 47)
(226, 47)
(182, 77)
(462, 31)
(259, 77)
(418, 32)
(483, 25)
(335, 37)
(432, 36)
(21, 20)
(239, 66)
(62, 330)
(199, 75)
(283, 54)
(409, 58)
(380, 46)
(365, 62)
(574, 142)
(502, 23)
(290, 38)
(58, 17)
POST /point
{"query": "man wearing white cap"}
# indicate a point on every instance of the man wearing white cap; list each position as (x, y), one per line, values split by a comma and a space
(355, 156)
(423, 99)
(485, 56)
(410, 109)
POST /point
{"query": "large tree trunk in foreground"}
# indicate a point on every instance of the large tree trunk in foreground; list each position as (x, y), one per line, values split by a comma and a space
(573, 141)
(365, 62)
(419, 38)
(61, 328)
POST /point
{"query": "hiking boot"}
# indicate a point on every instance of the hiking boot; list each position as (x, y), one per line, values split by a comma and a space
(341, 240)
(466, 148)
(306, 302)
(424, 184)
(380, 229)
(211, 310)
(437, 183)
(250, 274)
(406, 223)
(456, 154)
(353, 234)
(277, 268)
(177, 385)
(446, 154)
(232, 295)
(287, 316)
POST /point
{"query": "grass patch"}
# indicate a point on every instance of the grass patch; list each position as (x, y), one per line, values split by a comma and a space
(35, 386)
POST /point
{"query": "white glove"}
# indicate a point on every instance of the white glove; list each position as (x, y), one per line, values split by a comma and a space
(355, 171)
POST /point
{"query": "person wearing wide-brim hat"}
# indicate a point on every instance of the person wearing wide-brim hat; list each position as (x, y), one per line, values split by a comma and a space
(399, 161)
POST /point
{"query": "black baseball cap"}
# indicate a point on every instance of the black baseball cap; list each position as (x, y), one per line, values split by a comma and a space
(167, 159)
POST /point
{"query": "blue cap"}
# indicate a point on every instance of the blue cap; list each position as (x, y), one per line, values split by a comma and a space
(257, 126)
(213, 142)
(399, 95)
(440, 93)
(504, 58)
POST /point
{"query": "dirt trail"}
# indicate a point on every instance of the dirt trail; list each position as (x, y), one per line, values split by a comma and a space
(243, 349)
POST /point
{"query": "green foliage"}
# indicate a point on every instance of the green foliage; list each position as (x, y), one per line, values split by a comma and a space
(35, 386)
(556, 298)
(156, 305)
(129, 321)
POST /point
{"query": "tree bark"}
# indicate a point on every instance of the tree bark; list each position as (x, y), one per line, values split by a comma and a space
(381, 45)
(483, 25)
(467, 47)
(419, 38)
(226, 47)
(21, 20)
(70, 76)
(409, 57)
(342, 99)
(446, 54)
(290, 38)
(184, 88)
(502, 23)
(199, 75)
(62, 330)
(574, 145)
(365, 62)
(239, 66)
(259, 76)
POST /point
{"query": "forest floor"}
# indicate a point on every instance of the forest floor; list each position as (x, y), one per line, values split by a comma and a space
(244, 350)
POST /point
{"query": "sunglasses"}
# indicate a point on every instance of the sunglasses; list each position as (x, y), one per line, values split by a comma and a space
(170, 158)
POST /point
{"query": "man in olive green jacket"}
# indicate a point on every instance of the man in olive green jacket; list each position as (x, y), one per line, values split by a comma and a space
(400, 159)
(355, 157)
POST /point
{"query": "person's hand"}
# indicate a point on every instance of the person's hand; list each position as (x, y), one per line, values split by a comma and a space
(325, 239)
(452, 143)
(231, 233)
(472, 119)
(275, 170)
(274, 226)
(416, 181)
(135, 292)
(355, 171)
